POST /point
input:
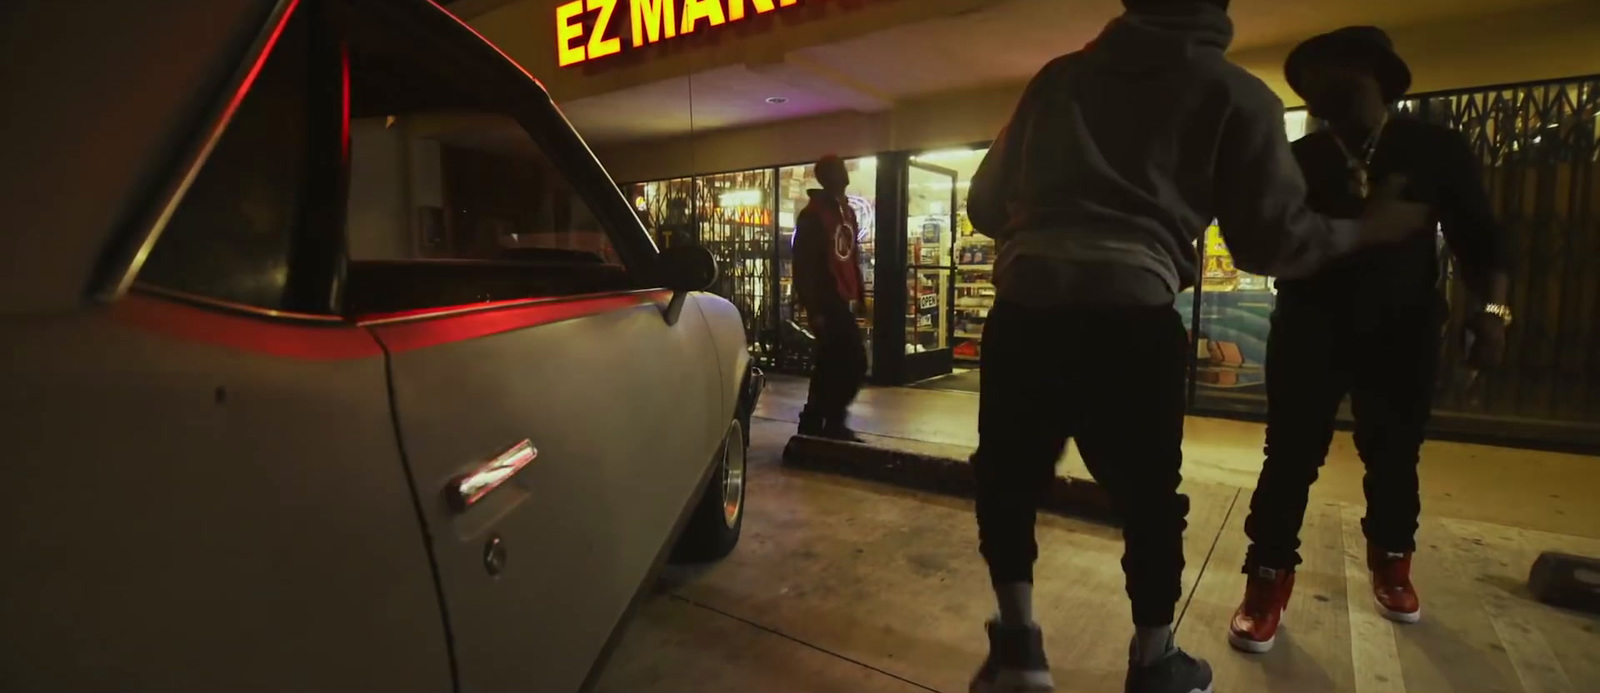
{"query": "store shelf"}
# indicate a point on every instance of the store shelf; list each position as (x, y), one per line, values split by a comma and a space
(976, 268)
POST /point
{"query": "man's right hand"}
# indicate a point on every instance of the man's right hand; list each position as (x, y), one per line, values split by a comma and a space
(1388, 218)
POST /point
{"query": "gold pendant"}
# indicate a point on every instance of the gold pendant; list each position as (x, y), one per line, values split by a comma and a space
(1363, 187)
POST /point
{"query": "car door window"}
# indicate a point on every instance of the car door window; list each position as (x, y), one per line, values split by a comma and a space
(452, 198)
(231, 237)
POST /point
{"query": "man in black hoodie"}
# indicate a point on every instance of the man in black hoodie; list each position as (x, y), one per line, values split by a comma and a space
(1118, 157)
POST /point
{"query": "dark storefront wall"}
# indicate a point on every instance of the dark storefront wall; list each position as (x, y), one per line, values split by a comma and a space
(1538, 147)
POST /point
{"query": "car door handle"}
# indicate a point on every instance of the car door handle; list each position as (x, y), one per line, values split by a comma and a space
(466, 490)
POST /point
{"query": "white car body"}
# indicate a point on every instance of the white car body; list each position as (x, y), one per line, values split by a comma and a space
(203, 494)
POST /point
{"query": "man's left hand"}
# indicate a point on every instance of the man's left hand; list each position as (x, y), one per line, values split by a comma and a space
(1489, 341)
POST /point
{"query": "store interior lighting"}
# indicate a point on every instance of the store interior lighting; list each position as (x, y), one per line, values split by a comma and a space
(937, 156)
(740, 198)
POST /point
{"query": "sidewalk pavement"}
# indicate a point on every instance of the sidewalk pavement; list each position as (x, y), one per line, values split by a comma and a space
(1535, 490)
(840, 585)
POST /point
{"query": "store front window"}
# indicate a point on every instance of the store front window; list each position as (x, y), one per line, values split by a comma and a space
(955, 265)
(664, 209)
(747, 220)
(1537, 148)
(735, 216)
(1235, 318)
(930, 236)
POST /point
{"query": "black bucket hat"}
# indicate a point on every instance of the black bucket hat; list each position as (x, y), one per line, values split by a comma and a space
(1363, 42)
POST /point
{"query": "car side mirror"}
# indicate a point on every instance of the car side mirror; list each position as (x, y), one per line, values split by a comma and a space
(684, 269)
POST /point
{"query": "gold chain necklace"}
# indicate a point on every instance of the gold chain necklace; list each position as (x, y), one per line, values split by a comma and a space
(1359, 167)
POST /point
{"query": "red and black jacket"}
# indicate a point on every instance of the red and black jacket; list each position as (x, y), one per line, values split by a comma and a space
(827, 258)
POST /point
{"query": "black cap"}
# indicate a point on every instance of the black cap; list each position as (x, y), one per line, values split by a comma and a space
(1367, 43)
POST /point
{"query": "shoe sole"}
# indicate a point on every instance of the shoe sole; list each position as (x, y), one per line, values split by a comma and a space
(1023, 682)
(1397, 616)
(1250, 646)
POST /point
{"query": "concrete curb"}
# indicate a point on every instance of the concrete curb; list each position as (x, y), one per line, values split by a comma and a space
(935, 474)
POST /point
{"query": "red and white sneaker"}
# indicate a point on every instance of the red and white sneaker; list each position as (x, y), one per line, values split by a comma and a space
(1391, 585)
(1266, 596)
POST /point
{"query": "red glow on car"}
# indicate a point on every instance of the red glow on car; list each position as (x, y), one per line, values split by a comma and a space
(344, 107)
(421, 329)
(329, 341)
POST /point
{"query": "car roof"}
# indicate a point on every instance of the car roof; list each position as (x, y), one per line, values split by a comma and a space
(100, 105)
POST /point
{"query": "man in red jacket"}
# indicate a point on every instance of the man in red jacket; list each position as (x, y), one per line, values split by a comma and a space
(827, 280)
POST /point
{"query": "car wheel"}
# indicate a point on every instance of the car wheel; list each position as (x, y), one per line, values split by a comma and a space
(714, 527)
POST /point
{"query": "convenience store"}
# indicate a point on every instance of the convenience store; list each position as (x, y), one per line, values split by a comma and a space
(710, 135)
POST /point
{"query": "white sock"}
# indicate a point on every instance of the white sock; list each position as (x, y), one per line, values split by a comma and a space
(1016, 603)
(1151, 645)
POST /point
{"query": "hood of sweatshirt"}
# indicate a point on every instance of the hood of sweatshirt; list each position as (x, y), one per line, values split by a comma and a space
(1147, 42)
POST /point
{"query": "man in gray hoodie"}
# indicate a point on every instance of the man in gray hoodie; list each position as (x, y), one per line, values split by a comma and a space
(1117, 158)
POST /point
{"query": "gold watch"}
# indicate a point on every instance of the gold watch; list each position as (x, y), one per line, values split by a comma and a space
(1499, 310)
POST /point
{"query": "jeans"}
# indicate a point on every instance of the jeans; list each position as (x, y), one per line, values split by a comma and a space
(1113, 378)
(1320, 350)
(839, 366)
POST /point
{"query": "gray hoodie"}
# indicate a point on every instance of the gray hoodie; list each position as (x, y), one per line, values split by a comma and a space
(1120, 155)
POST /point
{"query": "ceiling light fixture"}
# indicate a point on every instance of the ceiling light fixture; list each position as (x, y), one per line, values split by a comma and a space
(777, 99)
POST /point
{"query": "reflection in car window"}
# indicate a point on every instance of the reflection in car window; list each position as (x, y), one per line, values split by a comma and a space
(436, 176)
(230, 238)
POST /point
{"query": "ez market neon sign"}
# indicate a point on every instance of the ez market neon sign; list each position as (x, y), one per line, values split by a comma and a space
(651, 21)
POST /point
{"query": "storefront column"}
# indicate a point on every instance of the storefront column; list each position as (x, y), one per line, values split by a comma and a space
(889, 319)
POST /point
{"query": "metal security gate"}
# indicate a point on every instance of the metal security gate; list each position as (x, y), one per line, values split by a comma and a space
(729, 215)
(1538, 148)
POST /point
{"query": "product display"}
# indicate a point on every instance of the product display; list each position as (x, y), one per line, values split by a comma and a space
(974, 287)
(1235, 318)
(927, 292)
(930, 246)
(1235, 312)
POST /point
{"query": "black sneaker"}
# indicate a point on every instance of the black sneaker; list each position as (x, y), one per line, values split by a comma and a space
(1175, 673)
(1016, 662)
(810, 425)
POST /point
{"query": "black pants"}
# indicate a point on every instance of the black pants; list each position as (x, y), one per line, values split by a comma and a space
(1114, 380)
(838, 368)
(1319, 351)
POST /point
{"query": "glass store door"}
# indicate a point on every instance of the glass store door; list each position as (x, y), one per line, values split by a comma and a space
(930, 238)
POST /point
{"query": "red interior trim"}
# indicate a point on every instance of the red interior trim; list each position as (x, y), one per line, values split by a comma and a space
(426, 332)
(261, 335)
